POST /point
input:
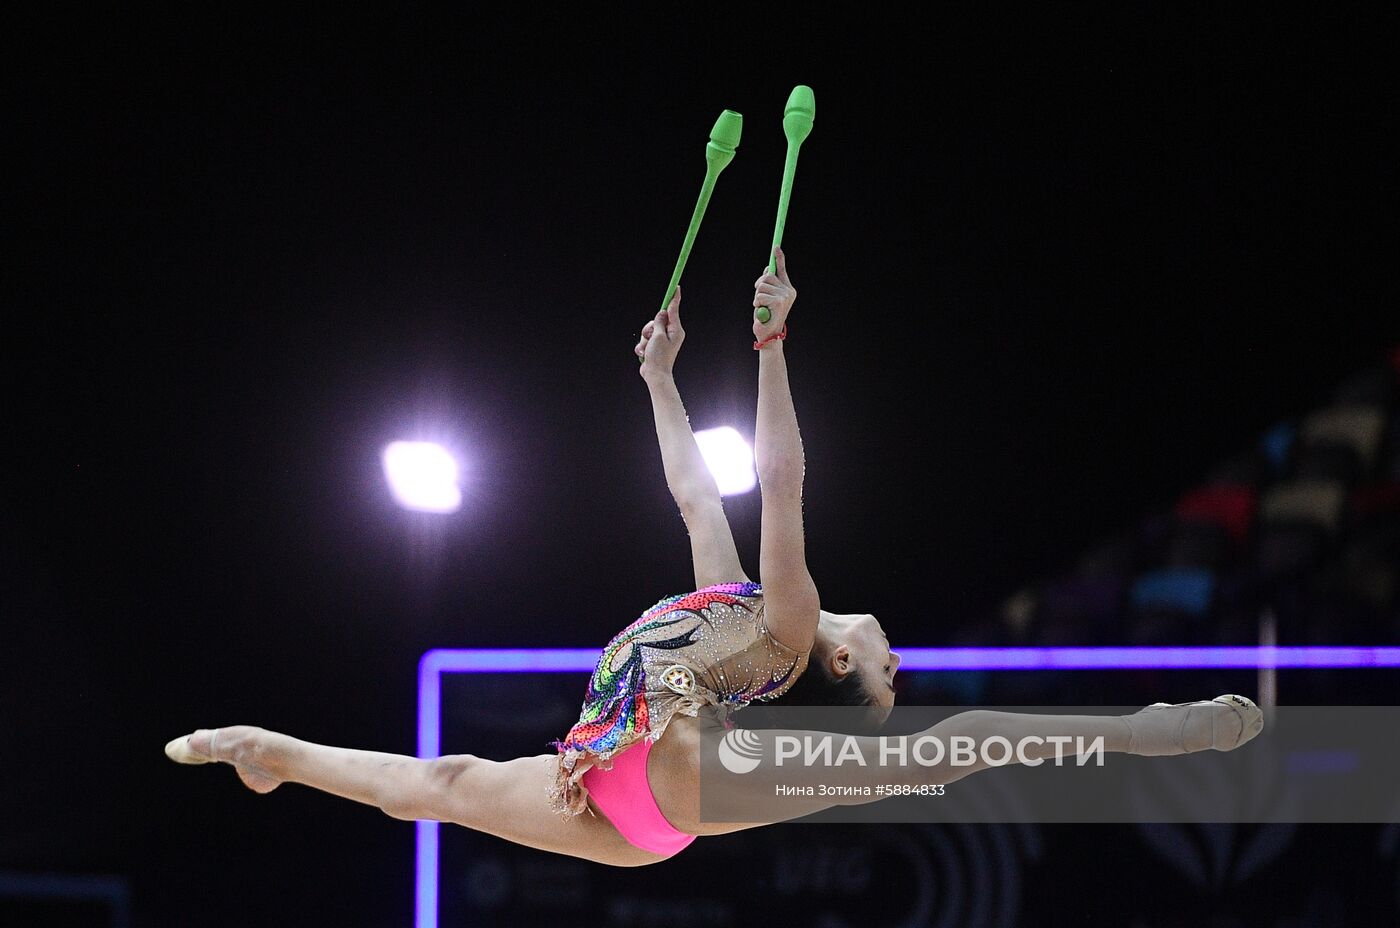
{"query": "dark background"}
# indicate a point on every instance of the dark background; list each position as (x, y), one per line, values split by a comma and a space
(1052, 266)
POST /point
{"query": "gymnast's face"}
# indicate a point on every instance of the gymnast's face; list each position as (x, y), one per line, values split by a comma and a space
(857, 642)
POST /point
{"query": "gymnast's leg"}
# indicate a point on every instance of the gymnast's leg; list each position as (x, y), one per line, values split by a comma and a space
(508, 799)
(1220, 724)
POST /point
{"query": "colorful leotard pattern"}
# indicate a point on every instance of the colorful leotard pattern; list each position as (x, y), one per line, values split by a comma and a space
(709, 647)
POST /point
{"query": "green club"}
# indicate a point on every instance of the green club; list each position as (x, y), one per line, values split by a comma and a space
(724, 140)
(797, 125)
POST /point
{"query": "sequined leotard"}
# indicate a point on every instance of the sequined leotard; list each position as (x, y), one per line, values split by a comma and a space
(710, 647)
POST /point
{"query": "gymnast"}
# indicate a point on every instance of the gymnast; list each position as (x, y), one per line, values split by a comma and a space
(631, 764)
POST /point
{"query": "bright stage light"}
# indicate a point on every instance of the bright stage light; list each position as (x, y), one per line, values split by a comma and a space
(422, 476)
(729, 458)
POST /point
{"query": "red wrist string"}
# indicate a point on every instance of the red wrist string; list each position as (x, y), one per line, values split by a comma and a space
(781, 336)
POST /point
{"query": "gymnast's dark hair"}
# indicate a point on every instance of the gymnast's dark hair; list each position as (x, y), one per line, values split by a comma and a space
(818, 686)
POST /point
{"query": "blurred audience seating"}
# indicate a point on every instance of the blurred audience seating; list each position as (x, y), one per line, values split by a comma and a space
(1305, 524)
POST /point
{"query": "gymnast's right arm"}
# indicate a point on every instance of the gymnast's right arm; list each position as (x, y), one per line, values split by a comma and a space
(791, 604)
(715, 558)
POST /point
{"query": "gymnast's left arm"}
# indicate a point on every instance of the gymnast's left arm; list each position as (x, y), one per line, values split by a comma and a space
(715, 558)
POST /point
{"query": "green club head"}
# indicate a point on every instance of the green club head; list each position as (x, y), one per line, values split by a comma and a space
(724, 139)
(801, 110)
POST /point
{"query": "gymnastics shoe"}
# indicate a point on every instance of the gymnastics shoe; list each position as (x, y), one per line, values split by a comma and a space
(238, 743)
(1220, 724)
(182, 750)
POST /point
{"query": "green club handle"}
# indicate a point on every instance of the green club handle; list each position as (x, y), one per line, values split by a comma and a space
(724, 141)
(798, 116)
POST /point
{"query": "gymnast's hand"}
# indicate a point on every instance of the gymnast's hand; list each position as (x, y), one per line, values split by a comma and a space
(777, 293)
(661, 340)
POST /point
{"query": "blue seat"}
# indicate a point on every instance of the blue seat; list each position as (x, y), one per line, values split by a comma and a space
(1277, 444)
(1175, 589)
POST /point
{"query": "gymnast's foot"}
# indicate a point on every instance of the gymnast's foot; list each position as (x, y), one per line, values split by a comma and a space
(240, 745)
(1221, 724)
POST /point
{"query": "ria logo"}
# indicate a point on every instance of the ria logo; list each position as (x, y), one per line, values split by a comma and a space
(740, 750)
